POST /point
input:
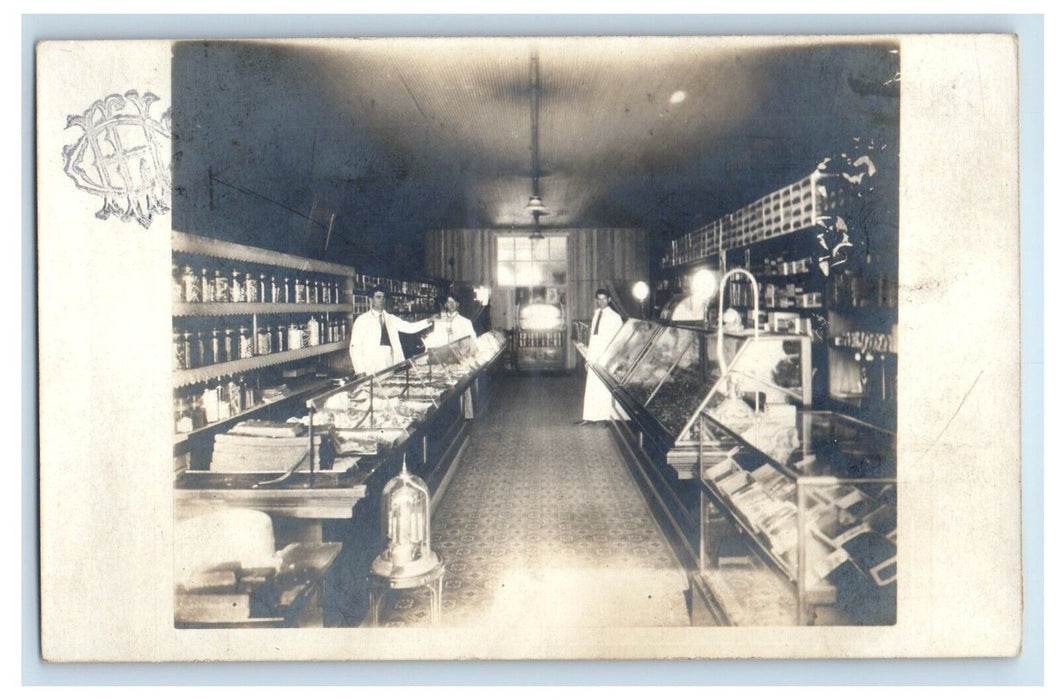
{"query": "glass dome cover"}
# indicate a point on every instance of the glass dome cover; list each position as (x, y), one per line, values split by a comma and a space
(405, 511)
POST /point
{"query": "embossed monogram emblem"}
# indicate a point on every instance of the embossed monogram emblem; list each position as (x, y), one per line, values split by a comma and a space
(123, 156)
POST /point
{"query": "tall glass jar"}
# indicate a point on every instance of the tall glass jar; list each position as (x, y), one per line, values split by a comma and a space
(263, 289)
(191, 284)
(237, 290)
(299, 291)
(287, 299)
(203, 356)
(274, 293)
(230, 345)
(220, 287)
(264, 341)
(253, 294)
(206, 285)
(245, 343)
(180, 351)
(281, 337)
(216, 348)
(178, 284)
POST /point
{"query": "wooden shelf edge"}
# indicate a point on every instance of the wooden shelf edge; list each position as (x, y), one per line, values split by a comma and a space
(185, 377)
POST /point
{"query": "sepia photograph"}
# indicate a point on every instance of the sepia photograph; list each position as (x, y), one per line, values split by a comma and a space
(637, 358)
(524, 347)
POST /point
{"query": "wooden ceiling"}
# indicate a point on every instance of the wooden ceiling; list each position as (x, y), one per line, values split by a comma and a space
(400, 136)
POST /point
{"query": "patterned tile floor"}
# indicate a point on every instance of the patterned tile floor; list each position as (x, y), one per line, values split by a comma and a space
(542, 525)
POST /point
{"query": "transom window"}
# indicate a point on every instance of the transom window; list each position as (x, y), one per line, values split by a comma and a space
(530, 262)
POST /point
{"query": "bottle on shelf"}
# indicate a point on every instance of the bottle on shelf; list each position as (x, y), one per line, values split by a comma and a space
(294, 336)
(281, 338)
(182, 415)
(220, 287)
(223, 400)
(263, 289)
(191, 284)
(287, 299)
(245, 343)
(236, 288)
(274, 293)
(216, 347)
(253, 292)
(211, 403)
(181, 351)
(263, 341)
(206, 285)
(299, 291)
(229, 345)
(200, 353)
(178, 284)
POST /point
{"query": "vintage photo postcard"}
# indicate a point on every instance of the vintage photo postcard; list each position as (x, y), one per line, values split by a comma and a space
(529, 348)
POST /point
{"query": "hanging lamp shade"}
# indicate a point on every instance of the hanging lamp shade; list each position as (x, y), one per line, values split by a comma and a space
(536, 206)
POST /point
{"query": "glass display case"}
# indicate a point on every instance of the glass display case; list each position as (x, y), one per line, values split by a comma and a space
(627, 347)
(671, 373)
(381, 410)
(812, 500)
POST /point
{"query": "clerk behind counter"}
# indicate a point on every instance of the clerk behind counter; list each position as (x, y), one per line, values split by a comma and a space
(450, 325)
(374, 343)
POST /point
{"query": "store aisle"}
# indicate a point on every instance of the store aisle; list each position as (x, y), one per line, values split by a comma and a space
(543, 526)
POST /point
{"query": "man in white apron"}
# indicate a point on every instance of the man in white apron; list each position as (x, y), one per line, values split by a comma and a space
(605, 322)
(374, 343)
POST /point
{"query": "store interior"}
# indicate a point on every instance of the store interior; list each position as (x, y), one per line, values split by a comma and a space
(672, 398)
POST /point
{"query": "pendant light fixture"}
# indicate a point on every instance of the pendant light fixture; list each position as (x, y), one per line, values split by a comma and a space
(536, 205)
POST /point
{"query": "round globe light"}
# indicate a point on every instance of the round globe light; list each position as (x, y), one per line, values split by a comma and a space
(640, 291)
(703, 284)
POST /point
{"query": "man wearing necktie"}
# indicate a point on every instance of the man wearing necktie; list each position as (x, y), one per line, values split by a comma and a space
(374, 343)
(605, 322)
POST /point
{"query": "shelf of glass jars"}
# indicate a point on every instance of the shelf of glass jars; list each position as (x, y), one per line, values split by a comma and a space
(294, 389)
(255, 308)
(214, 248)
(185, 377)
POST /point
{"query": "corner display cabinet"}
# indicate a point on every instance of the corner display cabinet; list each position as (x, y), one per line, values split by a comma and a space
(782, 515)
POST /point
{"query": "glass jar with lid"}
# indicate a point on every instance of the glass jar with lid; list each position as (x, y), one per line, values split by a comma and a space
(245, 343)
(216, 348)
(206, 286)
(236, 289)
(264, 340)
(191, 284)
(253, 294)
(220, 287)
(178, 284)
(230, 345)
(182, 415)
(180, 351)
